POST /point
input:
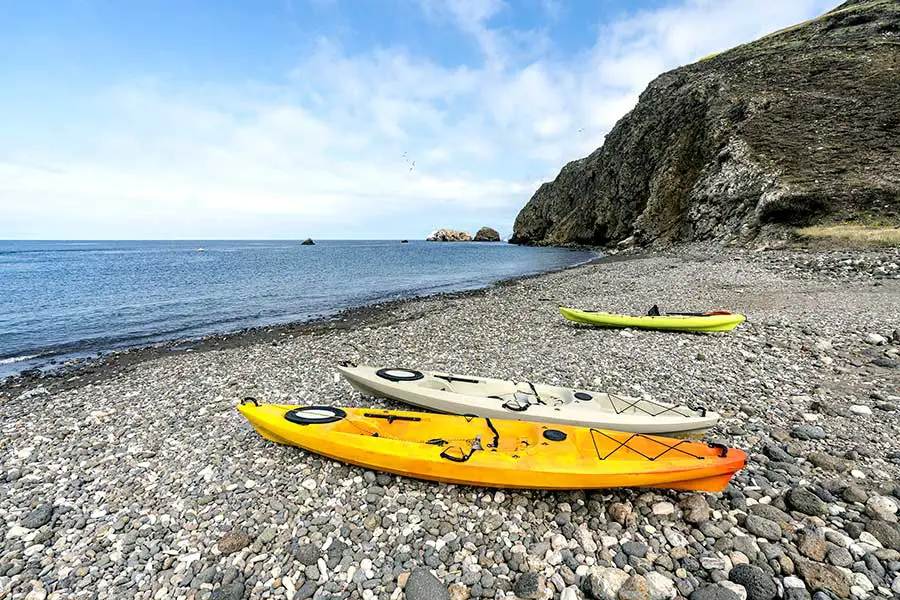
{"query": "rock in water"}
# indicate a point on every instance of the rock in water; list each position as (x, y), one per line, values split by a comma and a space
(752, 136)
(308, 242)
(487, 234)
(449, 235)
(423, 585)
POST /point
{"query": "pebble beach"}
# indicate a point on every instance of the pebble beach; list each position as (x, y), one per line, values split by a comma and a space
(139, 479)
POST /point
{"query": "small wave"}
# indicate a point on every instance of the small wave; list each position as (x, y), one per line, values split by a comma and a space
(15, 359)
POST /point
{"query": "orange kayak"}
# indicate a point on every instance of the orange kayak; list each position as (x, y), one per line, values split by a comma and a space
(495, 452)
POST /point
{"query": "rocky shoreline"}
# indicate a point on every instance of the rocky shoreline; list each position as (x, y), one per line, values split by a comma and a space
(144, 482)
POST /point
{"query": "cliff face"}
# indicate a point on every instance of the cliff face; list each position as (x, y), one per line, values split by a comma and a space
(798, 127)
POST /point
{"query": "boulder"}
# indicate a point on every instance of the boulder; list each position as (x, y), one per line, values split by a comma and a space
(308, 242)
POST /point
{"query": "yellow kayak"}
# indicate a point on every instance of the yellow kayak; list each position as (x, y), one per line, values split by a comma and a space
(495, 452)
(673, 321)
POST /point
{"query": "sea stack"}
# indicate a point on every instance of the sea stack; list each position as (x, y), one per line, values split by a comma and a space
(449, 235)
(797, 128)
(487, 234)
(308, 242)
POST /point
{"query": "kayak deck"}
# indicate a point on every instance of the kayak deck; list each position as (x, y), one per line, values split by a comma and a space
(674, 322)
(496, 453)
(523, 400)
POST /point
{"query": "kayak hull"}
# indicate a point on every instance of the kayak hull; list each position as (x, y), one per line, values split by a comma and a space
(501, 399)
(712, 322)
(512, 454)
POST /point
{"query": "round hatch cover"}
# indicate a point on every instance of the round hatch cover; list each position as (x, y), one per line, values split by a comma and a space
(583, 396)
(554, 435)
(399, 374)
(315, 415)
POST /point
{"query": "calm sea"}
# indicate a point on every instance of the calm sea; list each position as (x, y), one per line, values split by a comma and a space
(65, 299)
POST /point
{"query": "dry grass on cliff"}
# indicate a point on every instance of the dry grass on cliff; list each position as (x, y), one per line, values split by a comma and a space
(853, 235)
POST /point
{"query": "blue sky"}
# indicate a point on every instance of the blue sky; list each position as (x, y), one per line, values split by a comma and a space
(157, 119)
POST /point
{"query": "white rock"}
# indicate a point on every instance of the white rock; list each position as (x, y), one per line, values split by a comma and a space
(663, 508)
(570, 593)
(660, 586)
(738, 589)
(792, 582)
(823, 344)
(810, 417)
(857, 474)
(309, 484)
(895, 587)
(867, 538)
(860, 409)
(875, 339)
(739, 558)
(609, 541)
(675, 538)
(585, 539)
(882, 507)
(288, 583)
(605, 582)
(711, 563)
(863, 582)
(36, 593)
(626, 334)
(17, 531)
(558, 542)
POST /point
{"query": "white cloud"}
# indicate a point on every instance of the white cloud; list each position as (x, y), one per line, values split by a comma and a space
(333, 143)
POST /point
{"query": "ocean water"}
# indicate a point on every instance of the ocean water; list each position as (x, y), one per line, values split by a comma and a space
(60, 300)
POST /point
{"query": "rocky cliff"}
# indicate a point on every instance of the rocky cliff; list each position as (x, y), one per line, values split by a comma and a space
(798, 127)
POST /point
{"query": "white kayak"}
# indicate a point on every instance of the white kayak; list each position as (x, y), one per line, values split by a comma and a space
(525, 401)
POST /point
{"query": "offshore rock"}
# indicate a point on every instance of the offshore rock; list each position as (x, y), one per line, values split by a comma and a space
(487, 234)
(798, 127)
(449, 235)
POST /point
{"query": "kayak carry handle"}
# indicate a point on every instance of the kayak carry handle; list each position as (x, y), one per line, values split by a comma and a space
(722, 448)
(247, 399)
